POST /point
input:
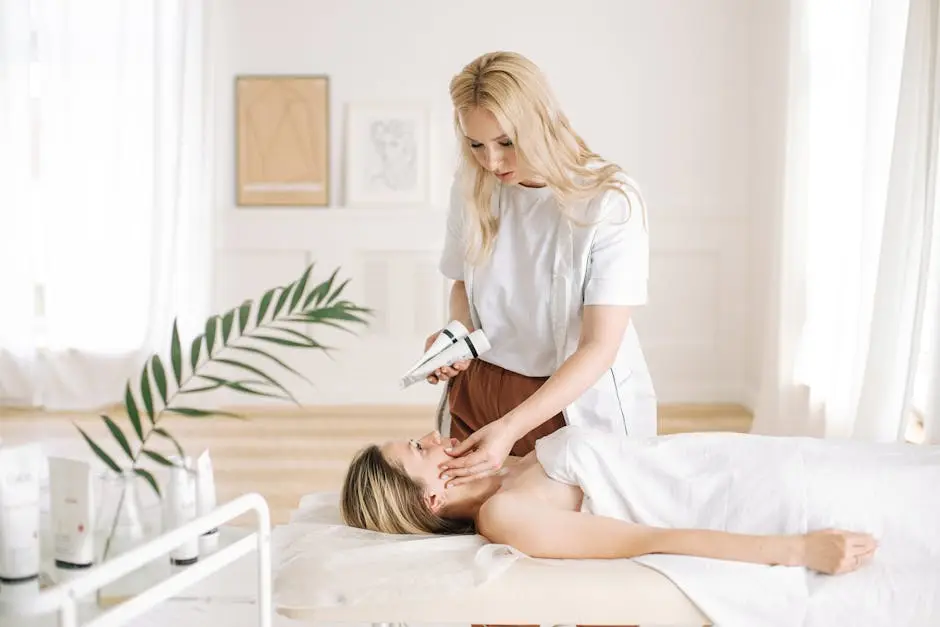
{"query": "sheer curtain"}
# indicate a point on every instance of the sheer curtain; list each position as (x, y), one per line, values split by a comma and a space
(852, 310)
(106, 222)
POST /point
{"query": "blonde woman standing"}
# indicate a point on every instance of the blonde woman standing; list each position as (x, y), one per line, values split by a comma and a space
(548, 247)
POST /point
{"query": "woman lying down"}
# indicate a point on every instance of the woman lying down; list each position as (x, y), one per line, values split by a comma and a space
(833, 507)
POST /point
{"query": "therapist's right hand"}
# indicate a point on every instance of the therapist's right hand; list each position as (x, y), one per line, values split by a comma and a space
(447, 372)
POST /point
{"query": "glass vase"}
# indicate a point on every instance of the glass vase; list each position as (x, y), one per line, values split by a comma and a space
(126, 519)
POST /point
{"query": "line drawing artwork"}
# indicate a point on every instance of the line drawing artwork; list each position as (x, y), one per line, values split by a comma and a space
(386, 155)
(393, 160)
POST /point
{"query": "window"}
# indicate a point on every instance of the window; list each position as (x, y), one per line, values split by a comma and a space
(105, 219)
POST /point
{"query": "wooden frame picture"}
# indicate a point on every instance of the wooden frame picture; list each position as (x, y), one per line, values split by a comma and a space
(282, 140)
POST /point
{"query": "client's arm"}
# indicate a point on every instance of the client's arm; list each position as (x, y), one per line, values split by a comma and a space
(541, 531)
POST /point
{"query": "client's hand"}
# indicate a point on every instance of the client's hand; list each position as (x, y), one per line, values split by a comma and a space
(447, 372)
(833, 551)
(485, 450)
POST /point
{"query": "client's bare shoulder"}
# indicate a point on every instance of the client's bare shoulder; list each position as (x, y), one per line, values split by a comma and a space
(526, 485)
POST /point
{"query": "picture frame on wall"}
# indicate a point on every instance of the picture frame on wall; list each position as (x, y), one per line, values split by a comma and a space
(387, 159)
(282, 140)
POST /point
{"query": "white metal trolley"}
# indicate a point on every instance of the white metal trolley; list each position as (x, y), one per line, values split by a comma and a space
(64, 599)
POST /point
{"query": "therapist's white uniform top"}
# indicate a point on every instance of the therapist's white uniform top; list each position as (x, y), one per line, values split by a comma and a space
(528, 295)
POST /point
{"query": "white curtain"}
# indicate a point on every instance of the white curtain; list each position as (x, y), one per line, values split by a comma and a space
(105, 217)
(853, 306)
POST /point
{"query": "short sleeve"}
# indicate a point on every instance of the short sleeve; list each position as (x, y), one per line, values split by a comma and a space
(452, 257)
(618, 266)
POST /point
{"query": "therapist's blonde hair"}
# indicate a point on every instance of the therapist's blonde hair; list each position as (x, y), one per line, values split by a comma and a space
(380, 496)
(516, 92)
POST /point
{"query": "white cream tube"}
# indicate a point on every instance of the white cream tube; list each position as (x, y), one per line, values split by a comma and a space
(469, 347)
(181, 509)
(72, 506)
(19, 514)
(449, 335)
(206, 500)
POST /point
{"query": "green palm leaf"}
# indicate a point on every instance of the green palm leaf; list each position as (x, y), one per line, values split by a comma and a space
(265, 303)
(282, 299)
(339, 290)
(260, 373)
(145, 393)
(159, 376)
(321, 291)
(166, 434)
(191, 412)
(140, 472)
(194, 352)
(241, 386)
(132, 412)
(326, 323)
(176, 356)
(299, 291)
(227, 321)
(333, 313)
(256, 351)
(300, 337)
(100, 452)
(243, 313)
(211, 326)
(204, 388)
(157, 457)
(119, 436)
(280, 341)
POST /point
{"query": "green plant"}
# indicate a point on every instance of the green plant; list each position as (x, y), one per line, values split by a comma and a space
(229, 341)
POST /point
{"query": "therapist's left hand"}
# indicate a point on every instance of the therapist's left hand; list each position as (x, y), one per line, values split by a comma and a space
(480, 455)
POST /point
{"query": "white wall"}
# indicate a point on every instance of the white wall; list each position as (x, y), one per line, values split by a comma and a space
(768, 103)
(662, 87)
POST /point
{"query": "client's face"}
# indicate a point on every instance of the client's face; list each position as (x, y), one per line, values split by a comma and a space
(421, 457)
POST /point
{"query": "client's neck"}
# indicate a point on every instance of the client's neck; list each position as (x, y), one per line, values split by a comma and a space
(464, 501)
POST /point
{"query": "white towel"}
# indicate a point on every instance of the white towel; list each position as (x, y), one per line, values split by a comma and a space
(758, 484)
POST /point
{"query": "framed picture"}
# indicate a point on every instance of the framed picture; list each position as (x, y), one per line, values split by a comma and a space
(386, 154)
(282, 140)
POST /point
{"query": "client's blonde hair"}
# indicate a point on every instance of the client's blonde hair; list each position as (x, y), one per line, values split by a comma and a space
(380, 496)
(514, 90)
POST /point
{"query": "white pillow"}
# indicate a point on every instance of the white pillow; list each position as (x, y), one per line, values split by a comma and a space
(321, 562)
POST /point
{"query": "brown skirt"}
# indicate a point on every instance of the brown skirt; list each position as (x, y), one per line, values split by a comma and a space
(484, 393)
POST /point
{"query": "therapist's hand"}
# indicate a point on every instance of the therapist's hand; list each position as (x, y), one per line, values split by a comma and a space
(480, 455)
(447, 372)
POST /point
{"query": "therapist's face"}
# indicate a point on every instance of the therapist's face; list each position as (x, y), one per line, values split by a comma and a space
(491, 147)
(420, 458)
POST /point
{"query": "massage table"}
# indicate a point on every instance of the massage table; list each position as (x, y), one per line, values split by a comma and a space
(552, 592)
(582, 592)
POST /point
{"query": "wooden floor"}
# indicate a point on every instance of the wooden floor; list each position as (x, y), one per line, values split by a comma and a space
(284, 455)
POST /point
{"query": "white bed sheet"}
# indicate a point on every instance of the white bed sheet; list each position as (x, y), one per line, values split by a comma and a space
(326, 571)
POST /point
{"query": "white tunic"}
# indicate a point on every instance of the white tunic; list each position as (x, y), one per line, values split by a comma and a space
(514, 285)
(529, 296)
